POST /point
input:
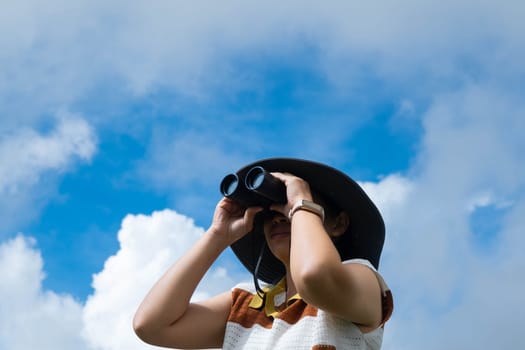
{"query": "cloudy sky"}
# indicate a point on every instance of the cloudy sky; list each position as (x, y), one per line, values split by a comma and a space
(119, 119)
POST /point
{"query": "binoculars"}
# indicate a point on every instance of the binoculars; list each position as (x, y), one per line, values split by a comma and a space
(257, 188)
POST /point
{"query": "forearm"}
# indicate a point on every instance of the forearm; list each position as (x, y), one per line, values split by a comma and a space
(169, 298)
(314, 260)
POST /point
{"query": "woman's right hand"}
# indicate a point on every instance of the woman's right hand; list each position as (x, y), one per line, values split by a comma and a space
(232, 221)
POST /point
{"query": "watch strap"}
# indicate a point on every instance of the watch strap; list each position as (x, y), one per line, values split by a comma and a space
(307, 205)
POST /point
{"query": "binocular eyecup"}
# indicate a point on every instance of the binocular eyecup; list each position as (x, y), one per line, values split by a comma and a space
(257, 188)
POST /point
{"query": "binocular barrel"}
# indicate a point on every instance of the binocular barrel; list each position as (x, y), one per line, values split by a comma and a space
(257, 188)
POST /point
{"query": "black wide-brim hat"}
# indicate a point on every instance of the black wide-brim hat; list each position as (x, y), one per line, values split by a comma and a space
(363, 239)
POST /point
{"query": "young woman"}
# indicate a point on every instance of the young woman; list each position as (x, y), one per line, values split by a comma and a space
(318, 252)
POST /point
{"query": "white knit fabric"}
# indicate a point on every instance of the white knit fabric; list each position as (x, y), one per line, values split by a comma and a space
(322, 331)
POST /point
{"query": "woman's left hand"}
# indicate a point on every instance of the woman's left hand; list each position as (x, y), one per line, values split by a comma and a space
(296, 189)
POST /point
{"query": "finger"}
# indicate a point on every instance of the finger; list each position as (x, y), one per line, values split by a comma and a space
(249, 217)
(281, 176)
(229, 205)
(286, 178)
(249, 214)
(224, 202)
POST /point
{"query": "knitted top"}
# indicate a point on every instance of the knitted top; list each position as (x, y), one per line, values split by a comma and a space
(254, 323)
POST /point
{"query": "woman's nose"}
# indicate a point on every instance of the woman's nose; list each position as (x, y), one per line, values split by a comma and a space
(279, 219)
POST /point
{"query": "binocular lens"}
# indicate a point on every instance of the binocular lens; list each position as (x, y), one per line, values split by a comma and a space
(255, 178)
(265, 184)
(229, 185)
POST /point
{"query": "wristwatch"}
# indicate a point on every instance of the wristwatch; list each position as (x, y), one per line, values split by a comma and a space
(307, 205)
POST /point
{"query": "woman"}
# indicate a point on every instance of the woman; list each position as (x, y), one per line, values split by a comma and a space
(318, 251)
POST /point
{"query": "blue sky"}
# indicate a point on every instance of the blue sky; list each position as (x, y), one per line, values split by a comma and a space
(119, 121)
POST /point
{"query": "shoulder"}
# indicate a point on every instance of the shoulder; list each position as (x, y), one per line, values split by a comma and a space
(368, 264)
(387, 303)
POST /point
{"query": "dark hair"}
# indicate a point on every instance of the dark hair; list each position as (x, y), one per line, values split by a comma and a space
(331, 210)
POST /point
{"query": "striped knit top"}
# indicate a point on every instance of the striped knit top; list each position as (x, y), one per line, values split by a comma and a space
(254, 324)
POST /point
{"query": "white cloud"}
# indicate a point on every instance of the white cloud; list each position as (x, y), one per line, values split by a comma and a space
(61, 50)
(26, 154)
(31, 160)
(445, 289)
(148, 246)
(389, 194)
(31, 317)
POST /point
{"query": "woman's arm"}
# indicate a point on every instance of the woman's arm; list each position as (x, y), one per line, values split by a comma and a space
(350, 291)
(166, 317)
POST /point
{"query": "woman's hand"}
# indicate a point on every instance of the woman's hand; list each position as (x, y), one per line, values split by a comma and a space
(232, 221)
(296, 189)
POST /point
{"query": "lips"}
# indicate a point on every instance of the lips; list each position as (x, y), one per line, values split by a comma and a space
(280, 231)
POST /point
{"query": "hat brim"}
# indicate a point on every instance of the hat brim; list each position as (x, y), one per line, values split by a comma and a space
(363, 239)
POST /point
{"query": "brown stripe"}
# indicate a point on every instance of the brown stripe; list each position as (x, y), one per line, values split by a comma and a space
(323, 347)
(296, 311)
(243, 314)
(247, 317)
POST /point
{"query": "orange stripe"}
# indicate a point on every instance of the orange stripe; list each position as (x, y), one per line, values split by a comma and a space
(247, 317)
(244, 315)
